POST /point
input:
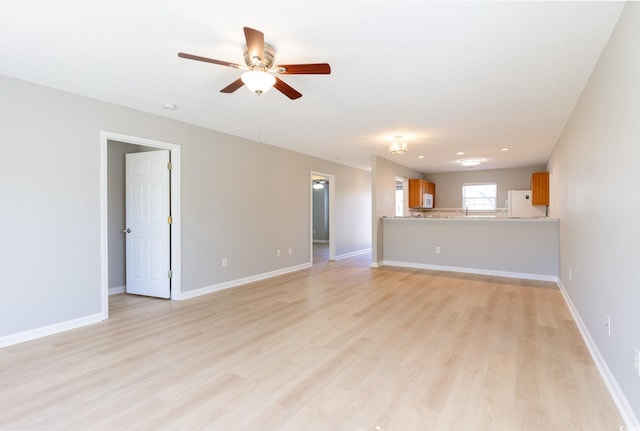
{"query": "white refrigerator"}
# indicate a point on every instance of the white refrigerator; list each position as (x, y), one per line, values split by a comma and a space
(519, 205)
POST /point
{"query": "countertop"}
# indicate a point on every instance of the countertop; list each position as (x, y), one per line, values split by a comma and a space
(476, 218)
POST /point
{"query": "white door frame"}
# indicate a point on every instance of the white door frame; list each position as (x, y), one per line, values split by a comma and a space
(332, 229)
(176, 231)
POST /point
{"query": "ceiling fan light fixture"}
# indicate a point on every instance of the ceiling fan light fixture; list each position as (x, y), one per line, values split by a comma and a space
(259, 57)
(399, 146)
(257, 81)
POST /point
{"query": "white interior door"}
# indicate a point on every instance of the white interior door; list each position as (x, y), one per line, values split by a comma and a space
(148, 224)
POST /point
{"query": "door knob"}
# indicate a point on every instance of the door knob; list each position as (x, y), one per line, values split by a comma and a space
(126, 230)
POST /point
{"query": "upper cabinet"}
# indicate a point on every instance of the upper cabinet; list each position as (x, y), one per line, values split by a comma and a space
(540, 188)
(415, 193)
(417, 190)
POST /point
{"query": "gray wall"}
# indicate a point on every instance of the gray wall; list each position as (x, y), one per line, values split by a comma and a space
(352, 208)
(594, 177)
(321, 214)
(50, 188)
(116, 208)
(449, 185)
(384, 173)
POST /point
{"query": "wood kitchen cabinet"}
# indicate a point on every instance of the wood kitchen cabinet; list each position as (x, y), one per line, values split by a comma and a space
(415, 193)
(417, 189)
(540, 188)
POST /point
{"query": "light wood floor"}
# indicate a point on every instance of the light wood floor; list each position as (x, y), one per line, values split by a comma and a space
(320, 252)
(340, 346)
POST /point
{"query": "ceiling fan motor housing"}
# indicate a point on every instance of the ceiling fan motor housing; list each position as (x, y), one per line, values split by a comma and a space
(267, 60)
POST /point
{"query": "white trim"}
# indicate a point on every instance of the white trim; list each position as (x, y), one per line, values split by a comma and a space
(176, 223)
(116, 290)
(630, 419)
(104, 230)
(233, 283)
(44, 331)
(376, 264)
(479, 271)
(320, 241)
(353, 253)
(176, 229)
(332, 218)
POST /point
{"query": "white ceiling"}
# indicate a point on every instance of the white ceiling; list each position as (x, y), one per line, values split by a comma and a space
(451, 76)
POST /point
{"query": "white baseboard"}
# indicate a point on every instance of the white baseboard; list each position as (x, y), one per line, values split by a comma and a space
(630, 419)
(376, 264)
(233, 283)
(116, 290)
(479, 271)
(353, 253)
(32, 334)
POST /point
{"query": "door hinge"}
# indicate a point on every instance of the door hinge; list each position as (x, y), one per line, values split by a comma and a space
(169, 219)
(170, 274)
(169, 165)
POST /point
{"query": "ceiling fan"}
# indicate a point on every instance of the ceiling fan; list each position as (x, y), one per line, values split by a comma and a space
(259, 58)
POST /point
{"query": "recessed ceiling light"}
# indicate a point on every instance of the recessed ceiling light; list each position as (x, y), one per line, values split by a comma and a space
(170, 106)
(468, 163)
(460, 153)
(421, 157)
(505, 149)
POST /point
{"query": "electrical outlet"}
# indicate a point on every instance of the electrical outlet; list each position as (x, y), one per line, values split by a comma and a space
(224, 262)
(437, 249)
(608, 325)
(637, 360)
(290, 251)
(570, 275)
(278, 253)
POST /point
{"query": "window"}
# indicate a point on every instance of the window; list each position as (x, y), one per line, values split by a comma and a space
(479, 196)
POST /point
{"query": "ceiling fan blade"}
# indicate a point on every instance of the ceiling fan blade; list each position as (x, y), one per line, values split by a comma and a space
(209, 60)
(286, 89)
(233, 86)
(304, 69)
(255, 43)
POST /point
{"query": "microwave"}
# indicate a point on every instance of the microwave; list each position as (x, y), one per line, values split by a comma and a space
(427, 200)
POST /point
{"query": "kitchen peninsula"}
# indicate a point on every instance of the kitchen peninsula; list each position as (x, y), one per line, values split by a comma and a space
(508, 247)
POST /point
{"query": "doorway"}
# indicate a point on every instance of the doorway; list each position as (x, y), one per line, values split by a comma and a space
(322, 217)
(110, 138)
(402, 197)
